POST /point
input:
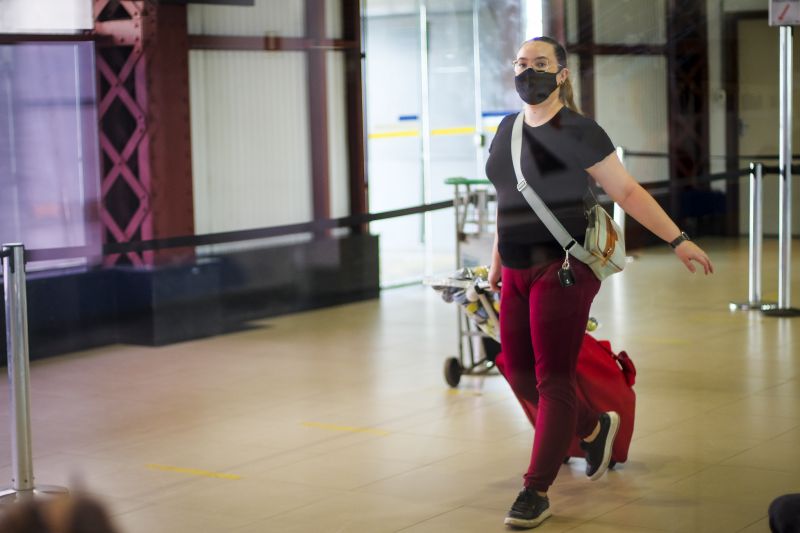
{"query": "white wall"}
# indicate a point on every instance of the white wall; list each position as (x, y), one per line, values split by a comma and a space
(250, 139)
(251, 152)
(45, 16)
(337, 136)
(282, 18)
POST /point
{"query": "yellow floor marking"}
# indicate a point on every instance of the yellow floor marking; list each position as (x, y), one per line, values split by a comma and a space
(349, 429)
(192, 471)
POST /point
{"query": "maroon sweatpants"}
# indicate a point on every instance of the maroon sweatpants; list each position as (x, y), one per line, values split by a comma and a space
(541, 331)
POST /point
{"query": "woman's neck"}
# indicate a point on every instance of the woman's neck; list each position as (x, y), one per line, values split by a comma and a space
(536, 115)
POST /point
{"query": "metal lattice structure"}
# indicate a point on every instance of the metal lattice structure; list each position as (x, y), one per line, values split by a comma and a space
(145, 138)
(124, 139)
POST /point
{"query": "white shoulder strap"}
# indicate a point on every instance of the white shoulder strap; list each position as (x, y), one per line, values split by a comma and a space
(542, 211)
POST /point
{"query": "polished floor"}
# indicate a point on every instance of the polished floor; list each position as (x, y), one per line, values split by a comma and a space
(339, 420)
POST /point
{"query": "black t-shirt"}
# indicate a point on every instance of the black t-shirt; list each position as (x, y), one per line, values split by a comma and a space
(554, 158)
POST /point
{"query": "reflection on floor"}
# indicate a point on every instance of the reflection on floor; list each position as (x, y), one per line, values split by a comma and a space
(340, 419)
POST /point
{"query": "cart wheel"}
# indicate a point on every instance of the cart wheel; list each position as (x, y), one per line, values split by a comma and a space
(611, 465)
(452, 371)
(566, 460)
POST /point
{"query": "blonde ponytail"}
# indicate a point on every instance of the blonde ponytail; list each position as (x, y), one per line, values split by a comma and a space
(566, 96)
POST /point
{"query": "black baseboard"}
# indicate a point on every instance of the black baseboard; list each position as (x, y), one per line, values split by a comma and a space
(76, 310)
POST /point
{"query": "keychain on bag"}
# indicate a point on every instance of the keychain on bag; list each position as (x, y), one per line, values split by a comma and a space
(565, 276)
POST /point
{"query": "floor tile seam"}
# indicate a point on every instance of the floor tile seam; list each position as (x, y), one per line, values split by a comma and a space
(670, 487)
(462, 439)
(140, 505)
(685, 420)
(216, 514)
(414, 467)
(752, 523)
(781, 384)
(765, 441)
(432, 517)
(671, 427)
(189, 507)
(301, 506)
(177, 485)
(295, 450)
(438, 414)
(705, 467)
(598, 517)
(390, 477)
(725, 464)
(598, 520)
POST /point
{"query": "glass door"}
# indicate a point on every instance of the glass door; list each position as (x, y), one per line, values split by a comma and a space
(438, 81)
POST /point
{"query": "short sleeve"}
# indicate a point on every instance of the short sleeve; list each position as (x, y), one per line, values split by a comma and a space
(504, 123)
(596, 145)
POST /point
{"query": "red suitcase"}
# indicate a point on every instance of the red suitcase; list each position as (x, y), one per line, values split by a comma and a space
(605, 381)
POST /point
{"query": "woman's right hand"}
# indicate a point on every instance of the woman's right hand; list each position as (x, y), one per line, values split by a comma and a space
(494, 276)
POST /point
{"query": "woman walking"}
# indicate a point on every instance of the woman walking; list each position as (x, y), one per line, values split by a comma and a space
(543, 319)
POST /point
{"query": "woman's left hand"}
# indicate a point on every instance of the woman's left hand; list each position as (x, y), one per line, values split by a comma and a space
(687, 251)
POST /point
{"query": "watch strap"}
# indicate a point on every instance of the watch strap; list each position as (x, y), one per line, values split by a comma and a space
(679, 239)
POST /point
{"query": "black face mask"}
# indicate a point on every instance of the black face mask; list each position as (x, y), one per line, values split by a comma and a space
(535, 87)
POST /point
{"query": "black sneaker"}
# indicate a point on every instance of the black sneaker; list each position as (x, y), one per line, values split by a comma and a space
(598, 452)
(529, 510)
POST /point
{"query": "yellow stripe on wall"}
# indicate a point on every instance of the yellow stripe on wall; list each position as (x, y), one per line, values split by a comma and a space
(389, 134)
(464, 130)
(454, 131)
(349, 429)
(192, 472)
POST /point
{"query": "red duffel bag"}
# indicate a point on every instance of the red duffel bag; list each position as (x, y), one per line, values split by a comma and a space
(605, 382)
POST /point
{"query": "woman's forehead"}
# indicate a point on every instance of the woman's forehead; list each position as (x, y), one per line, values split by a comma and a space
(535, 49)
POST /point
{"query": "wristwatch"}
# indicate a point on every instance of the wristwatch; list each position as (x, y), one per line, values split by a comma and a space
(679, 239)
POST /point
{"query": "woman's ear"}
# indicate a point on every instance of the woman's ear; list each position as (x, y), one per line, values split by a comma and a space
(564, 74)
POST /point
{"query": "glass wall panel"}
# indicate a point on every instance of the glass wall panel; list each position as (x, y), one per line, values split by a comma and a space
(631, 105)
(452, 95)
(453, 122)
(394, 145)
(49, 173)
(630, 22)
(501, 33)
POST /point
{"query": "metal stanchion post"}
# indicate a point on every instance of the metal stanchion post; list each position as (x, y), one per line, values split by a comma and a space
(22, 482)
(756, 242)
(619, 214)
(784, 307)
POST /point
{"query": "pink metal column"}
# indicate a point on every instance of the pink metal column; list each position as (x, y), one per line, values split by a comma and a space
(144, 125)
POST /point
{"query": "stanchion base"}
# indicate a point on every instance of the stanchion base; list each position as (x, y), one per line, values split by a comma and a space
(750, 306)
(40, 492)
(775, 311)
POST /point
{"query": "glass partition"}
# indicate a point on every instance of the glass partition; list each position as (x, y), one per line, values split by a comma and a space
(49, 171)
(438, 81)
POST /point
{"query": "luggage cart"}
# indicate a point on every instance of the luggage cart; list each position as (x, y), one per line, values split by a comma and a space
(479, 326)
(475, 207)
(478, 307)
